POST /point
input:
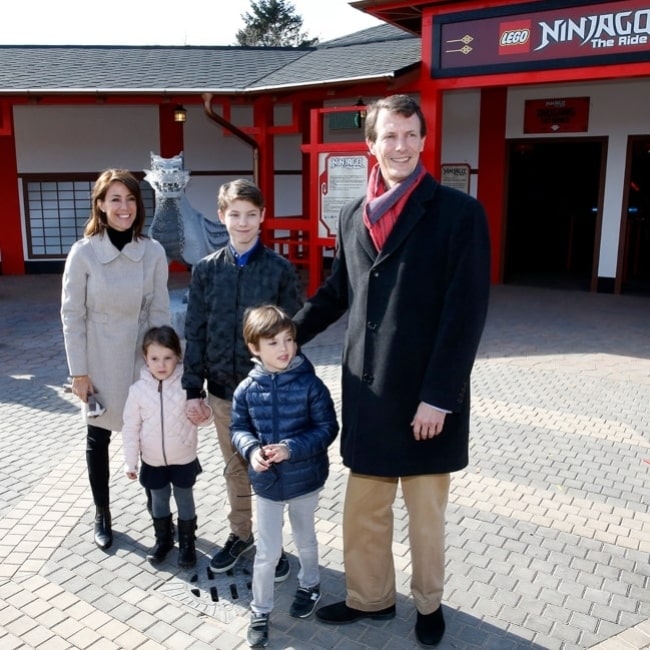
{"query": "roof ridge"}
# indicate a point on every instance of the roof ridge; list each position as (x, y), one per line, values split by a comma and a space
(84, 68)
(89, 46)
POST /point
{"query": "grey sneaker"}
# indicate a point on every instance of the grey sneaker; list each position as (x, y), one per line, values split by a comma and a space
(282, 568)
(257, 635)
(227, 557)
(305, 601)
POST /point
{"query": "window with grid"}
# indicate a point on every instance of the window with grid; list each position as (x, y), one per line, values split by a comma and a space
(56, 211)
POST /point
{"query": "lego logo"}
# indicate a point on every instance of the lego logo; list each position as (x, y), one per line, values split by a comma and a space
(515, 37)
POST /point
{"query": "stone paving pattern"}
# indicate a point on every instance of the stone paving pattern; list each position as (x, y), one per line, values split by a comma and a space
(548, 539)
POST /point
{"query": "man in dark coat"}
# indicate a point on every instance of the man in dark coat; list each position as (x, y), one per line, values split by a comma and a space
(412, 269)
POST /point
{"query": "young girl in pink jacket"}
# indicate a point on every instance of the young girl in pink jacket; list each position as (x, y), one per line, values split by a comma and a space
(157, 433)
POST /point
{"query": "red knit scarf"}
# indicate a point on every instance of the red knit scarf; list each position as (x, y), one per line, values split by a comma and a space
(383, 206)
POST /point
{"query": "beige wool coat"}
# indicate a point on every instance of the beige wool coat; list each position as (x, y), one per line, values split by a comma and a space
(109, 300)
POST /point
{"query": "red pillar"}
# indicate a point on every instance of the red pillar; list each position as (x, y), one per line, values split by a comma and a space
(492, 170)
(11, 240)
(263, 121)
(171, 144)
(171, 133)
(431, 105)
(430, 102)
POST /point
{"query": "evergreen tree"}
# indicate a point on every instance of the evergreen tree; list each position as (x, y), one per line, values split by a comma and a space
(273, 23)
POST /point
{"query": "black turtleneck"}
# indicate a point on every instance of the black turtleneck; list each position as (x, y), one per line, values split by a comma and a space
(119, 238)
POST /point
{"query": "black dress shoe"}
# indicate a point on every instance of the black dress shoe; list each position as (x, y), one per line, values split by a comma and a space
(430, 628)
(340, 613)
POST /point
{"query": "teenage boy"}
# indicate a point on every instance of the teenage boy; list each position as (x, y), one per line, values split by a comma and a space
(242, 274)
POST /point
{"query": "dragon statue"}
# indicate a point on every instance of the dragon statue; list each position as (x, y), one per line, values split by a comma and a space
(185, 234)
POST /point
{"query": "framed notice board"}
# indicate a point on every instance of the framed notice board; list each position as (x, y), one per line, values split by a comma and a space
(455, 175)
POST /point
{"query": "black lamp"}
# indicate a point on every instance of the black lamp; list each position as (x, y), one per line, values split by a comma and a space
(180, 114)
(360, 117)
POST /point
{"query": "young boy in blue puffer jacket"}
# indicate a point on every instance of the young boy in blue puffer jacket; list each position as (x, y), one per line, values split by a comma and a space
(283, 421)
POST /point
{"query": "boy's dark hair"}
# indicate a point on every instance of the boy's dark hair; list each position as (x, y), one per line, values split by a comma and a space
(165, 336)
(265, 322)
(400, 104)
(240, 188)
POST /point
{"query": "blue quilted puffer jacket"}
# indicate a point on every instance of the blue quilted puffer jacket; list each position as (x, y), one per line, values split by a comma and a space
(293, 407)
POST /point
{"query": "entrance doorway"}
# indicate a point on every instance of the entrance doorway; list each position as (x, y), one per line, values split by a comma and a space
(634, 270)
(553, 213)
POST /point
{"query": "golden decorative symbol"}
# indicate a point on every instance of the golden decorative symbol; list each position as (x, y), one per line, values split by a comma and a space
(466, 40)
(463, 50)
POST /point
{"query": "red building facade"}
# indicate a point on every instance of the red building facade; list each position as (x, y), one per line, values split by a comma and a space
(537, 108)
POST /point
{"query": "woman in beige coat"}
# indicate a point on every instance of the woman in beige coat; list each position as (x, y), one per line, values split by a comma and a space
(114, 289)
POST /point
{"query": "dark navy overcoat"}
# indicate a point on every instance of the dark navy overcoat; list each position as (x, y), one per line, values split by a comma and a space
(416, 313)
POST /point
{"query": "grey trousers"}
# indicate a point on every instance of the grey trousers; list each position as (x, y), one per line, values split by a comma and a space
(270, 518)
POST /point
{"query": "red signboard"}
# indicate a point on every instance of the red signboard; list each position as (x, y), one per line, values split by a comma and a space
(562, 115)
(491, 41)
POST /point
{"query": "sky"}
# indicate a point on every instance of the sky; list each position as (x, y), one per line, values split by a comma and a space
(159, 22)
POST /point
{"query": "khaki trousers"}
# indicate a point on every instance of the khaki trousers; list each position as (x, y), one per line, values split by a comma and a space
(368, 539)
(238, 486)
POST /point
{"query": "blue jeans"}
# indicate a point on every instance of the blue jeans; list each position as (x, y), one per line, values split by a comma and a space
(270, 517)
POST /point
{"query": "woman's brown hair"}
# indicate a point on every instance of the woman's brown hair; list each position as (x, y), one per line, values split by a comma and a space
(96, 223)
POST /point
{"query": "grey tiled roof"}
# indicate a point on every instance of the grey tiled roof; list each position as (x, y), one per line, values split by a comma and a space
(83, 68)
(374, 52)
(383, 32)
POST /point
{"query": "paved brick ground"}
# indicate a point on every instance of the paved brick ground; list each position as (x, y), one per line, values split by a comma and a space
(548, 540)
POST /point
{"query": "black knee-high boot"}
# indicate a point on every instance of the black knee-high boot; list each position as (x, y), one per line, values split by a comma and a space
(97, 441)
(103, 529)
(147, 491)
(164, 539)
(186, 548)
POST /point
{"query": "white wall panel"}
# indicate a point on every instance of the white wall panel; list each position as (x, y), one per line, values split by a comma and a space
(288, 196)
(287, 152)
(208, 147)
(461, 114)
(616, 107)
(51, 139)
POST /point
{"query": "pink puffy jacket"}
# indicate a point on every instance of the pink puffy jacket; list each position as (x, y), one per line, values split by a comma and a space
(155, 424)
